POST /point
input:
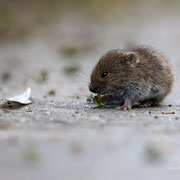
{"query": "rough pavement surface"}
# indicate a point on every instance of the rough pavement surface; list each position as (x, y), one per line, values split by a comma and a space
(61, 136)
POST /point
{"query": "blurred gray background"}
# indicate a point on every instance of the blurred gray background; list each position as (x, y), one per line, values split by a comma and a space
(60, 136)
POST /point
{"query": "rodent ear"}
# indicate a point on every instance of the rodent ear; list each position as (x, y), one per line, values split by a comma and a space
(131, 58)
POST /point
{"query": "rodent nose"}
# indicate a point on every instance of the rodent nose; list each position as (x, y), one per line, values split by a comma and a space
(92, 89)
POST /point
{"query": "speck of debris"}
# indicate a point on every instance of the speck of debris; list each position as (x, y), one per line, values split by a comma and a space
(4, 111)
(168, 112)
(5, 126)
(89, 98)
(31, 154)
(41, 76)
(146, 123)
(76, 148)
(6, 76)
(70, 50)
(154, 152)
(52, 92)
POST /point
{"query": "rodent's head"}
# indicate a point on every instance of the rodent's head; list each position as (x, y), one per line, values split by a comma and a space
(112, 71)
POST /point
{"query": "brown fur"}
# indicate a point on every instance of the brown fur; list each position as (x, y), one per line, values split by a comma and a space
(139, 76)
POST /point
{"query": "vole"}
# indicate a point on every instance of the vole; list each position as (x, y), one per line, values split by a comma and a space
(139, 76)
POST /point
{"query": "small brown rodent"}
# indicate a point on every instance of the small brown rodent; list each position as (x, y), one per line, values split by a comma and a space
(139, 76)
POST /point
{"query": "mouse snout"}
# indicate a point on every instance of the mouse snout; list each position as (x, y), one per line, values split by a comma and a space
(92, 89)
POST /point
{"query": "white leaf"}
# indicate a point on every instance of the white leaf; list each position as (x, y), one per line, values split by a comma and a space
(22, 98)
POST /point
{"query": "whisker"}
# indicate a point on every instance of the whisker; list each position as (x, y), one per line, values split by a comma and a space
(79, 73)
(82, 76)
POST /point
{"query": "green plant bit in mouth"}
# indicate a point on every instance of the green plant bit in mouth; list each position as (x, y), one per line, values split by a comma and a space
(98, 102)
(94, 99)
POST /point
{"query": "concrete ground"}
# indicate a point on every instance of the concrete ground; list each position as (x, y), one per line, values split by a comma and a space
(60, 135)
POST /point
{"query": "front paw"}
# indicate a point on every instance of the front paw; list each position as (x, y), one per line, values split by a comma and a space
(127, 105)
(124, 108)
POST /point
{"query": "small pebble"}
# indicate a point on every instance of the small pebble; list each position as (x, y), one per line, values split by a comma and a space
(23, 120)
(29, 110)
(133, 115)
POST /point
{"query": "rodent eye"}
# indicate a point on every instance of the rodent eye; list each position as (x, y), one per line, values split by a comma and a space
(104, 74)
